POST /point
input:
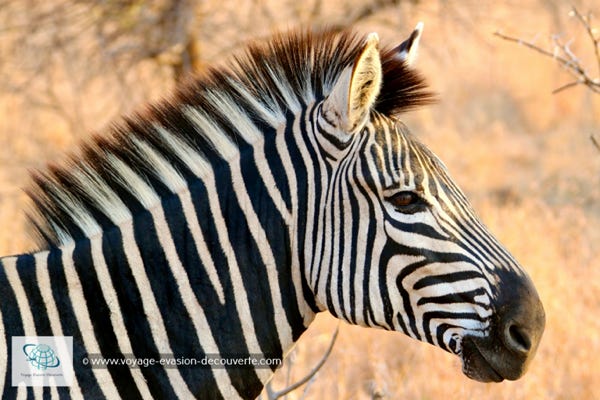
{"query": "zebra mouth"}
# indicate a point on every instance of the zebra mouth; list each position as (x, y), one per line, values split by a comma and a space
(474, 363)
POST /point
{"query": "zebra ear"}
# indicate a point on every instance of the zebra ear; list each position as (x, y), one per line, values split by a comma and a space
(348, 105)
(407, 51)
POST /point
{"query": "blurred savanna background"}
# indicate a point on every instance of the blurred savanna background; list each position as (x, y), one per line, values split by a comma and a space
(522, 154)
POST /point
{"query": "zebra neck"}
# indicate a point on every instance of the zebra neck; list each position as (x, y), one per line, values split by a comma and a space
(197, 276)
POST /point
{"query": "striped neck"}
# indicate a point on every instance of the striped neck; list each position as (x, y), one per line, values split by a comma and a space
(208, 272)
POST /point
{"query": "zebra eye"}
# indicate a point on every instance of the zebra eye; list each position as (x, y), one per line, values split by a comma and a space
(405, 201)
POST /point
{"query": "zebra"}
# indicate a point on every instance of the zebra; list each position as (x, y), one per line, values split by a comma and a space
(265, 190)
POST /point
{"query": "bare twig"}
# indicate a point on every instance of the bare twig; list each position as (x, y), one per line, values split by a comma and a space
(566, 86)
(273, 394)
(565, 57)
(595, 142)
(586, 22)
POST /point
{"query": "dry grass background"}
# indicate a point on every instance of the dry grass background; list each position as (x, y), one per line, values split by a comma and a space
(522, 155)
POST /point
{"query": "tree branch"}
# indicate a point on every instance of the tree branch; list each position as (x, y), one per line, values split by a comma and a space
(586, 22)
(595, 142)
(565, 57)
(274, 395)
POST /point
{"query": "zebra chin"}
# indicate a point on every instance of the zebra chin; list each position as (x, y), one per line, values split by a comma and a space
(478, 365)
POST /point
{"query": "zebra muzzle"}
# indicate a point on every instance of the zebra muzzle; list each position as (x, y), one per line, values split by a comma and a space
(514, 335)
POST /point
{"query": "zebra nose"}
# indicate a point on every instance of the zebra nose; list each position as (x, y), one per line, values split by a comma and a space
(517, 338)
(522, 319)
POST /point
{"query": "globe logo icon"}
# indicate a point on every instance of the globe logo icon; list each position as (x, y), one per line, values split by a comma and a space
(41, 356)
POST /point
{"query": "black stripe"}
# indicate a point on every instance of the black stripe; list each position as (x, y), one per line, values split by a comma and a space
(197, 379)
(13, 326)
(341, 248)
(27, 273)
(100, 312)
(251, 265)
(58, 282)
(133, 313)
(452, 343)
(223, 319)
(414, 227)
(446, 278)
(454, 298)
(355, 210)
(370, 235)
(183, 338)
(302, 193)
(331, 200)
(278, 236)
(320, 194)
(278, 240)
(275, 163)
(26, 268)
(428, 316)
(406, 271)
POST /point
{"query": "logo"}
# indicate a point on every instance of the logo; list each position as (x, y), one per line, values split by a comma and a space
(41, 356)
(42, 360)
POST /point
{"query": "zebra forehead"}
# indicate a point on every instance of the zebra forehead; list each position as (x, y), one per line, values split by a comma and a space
(400, 145)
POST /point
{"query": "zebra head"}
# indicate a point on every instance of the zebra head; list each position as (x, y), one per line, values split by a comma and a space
(409, 253)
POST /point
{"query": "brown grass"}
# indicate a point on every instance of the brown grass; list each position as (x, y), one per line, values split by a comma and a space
(522, 155)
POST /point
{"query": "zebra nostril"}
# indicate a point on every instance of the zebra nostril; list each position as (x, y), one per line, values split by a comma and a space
(517, 339)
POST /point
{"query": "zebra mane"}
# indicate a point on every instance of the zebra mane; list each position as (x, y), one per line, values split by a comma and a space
(146, 157)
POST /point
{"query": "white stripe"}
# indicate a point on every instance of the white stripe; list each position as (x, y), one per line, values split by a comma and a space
(230, 152)
(10, 268)
(297, 273)
(22, 392)
(375, 250)
(78, 212)
(84, 321)
(151, 310)
(273, 118)
(240, 296)
(212, 133)
(288, 95)
(345, 236)
(202, 248)
(350, 172)
(161, 167)
(312, 251)
(361, 252)
(45, 286)
(175, 182)
(101, 194)
(252, 135)
(116, 315)
(192, 159)
(14, 280)
(260, 238)
(190, 301)
(408, 167)
(134, 183)
(198, 165)
(322, 264)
